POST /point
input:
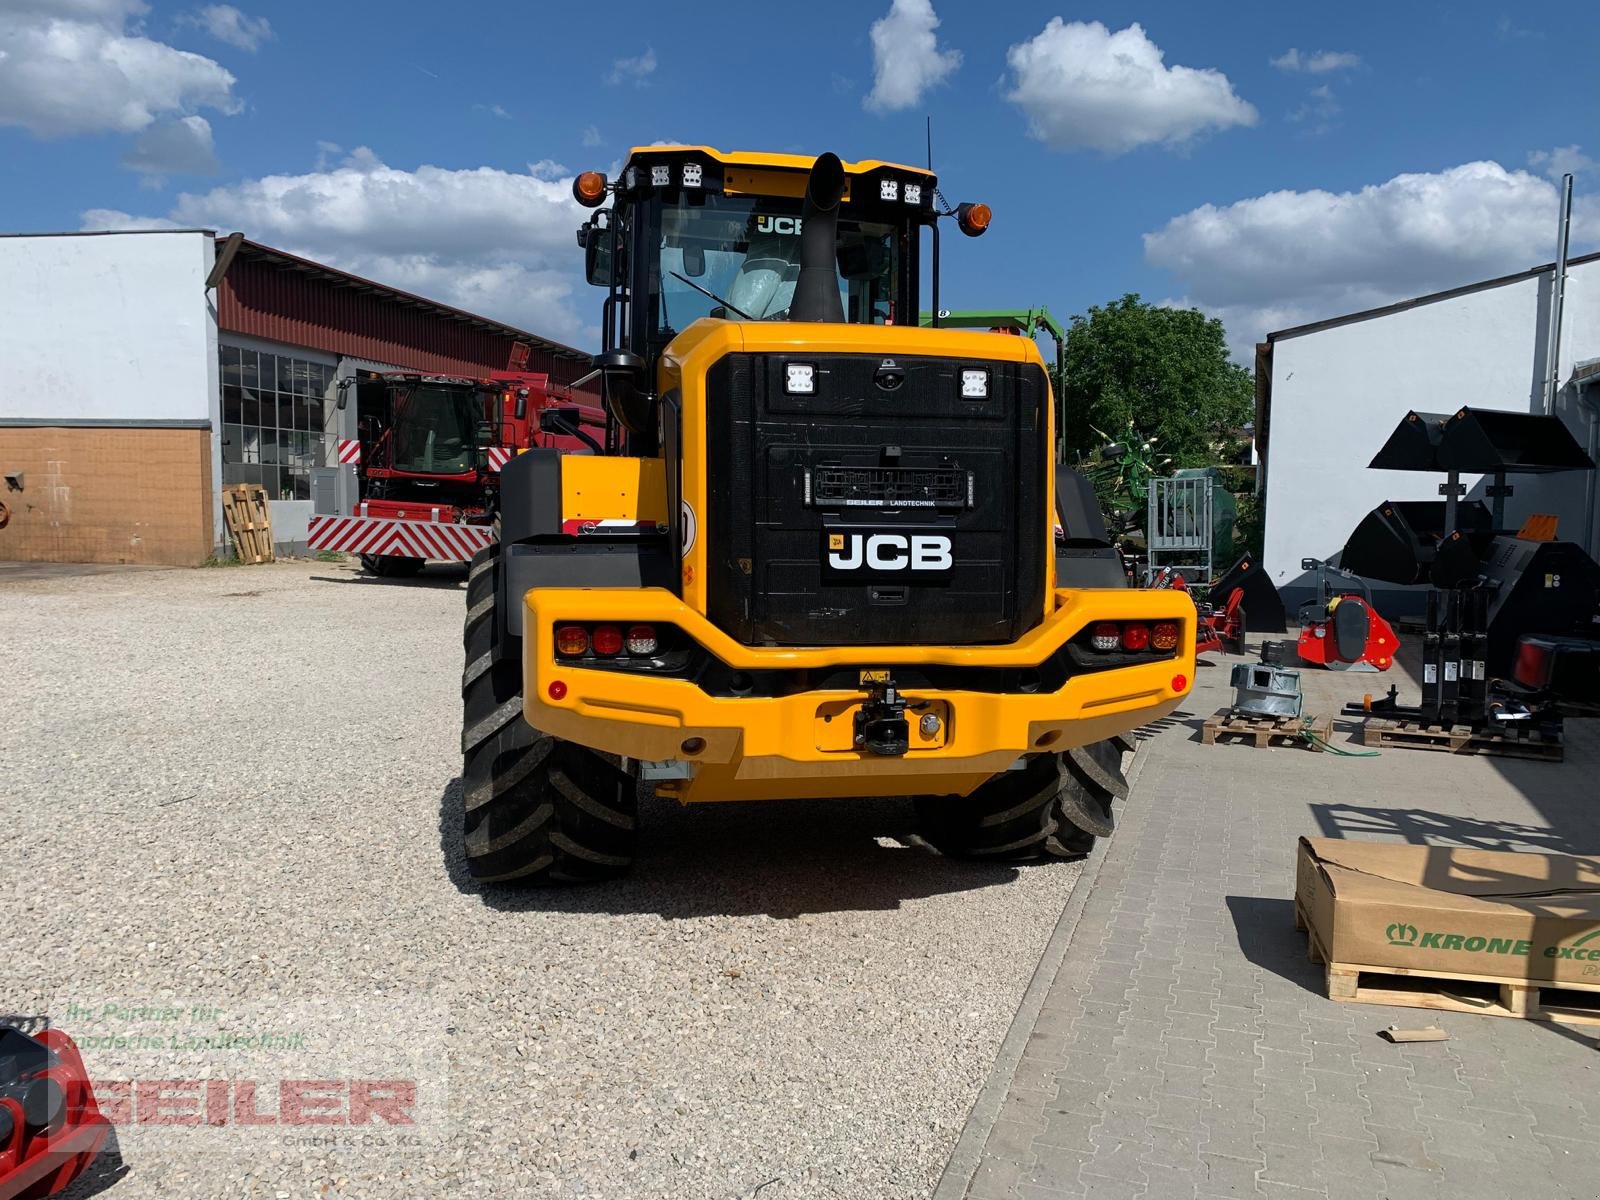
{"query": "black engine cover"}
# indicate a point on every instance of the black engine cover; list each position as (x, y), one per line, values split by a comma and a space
(881, 509)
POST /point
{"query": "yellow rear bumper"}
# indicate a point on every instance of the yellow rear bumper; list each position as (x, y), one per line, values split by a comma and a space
(790, 746)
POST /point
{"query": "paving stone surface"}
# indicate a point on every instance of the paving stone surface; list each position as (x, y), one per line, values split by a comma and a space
(1186, 1046)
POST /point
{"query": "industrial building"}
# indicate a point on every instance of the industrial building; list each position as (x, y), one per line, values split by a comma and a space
(1330, 393)
(146, 370)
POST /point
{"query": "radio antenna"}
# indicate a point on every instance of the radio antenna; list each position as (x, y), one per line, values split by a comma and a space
(930, 143)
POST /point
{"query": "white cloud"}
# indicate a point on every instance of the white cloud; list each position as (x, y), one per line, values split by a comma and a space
(1563, 160)
(181, 147)
(636, 71)
(494, 110)
(906, 59)
(1317, 62)
(591, 136)
(1318, 111)
(1083, 87)
(1286, 257)
(101, 219)
(227, 24)
(494, 242)
(74, 66)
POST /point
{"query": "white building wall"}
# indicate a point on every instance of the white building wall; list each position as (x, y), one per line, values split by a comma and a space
(1338, 393)
(108, 328)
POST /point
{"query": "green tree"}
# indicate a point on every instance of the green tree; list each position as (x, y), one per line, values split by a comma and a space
(1164, 372)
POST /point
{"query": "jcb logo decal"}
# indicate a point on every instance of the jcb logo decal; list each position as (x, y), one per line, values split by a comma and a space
(889, 552)
(789, 225)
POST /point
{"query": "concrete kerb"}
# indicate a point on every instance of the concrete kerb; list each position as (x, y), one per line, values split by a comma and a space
(968, 1153)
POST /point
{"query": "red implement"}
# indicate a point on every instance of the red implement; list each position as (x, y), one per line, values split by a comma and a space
(1348, 635)
(50, 1126)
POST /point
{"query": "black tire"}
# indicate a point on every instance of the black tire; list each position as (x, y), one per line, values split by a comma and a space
(536, 810)
(1011, 818)
(390, 566)
(1054, 808)
(1092, 780)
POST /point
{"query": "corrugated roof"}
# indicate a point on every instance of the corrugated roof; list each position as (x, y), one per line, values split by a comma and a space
(293, 262)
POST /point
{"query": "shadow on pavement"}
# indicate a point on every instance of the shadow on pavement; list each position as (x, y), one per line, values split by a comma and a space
(106, 1170)
(1269, 940)
(782, 858)
(435, 575)
(1423, 828)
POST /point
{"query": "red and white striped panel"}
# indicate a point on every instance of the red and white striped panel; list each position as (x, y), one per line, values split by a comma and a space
(349, 450)
(499, 456)
(441, 541)
(579, 525)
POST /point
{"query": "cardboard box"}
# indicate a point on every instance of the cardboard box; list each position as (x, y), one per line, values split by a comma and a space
(1449, 911)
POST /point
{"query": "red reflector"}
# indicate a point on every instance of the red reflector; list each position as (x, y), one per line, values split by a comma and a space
(1180, 683)
(1533, 665)
(607, 640)
(1164, 635)
(571, 640)
(557, 690)
(1135, 637)
(642, 639)
(1105, 635)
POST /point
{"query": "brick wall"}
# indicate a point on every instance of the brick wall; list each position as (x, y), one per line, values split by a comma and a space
(107, 495)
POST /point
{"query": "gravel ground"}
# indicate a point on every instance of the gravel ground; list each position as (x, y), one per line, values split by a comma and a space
(238, 787)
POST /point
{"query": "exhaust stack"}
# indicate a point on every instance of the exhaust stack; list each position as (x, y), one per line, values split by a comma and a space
(816, 290)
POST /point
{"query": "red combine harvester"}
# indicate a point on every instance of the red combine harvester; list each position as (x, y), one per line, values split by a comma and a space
(428, 462)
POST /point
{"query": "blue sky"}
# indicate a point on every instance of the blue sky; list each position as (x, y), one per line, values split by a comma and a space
(1267, 163)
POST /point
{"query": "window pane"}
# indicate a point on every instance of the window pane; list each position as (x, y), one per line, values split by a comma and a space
(248, 375)
(315, 419)
(249, 408)
(269, 372)
(269, 446)
(285, 412)
(232, 444)
(252, 444)
(302, 485)
(230, 364)
(302, 413)
(231, 401)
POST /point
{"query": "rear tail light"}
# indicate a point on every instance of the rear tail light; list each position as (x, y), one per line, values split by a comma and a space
(642, 639)
(1533, 665)
(571, 641)
(1135, 637)
(607, 640)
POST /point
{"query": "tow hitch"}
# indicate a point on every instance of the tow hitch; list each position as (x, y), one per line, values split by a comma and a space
(881, 726)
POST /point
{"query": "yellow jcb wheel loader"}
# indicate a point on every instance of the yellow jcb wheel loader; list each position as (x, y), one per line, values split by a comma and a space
(826, 553)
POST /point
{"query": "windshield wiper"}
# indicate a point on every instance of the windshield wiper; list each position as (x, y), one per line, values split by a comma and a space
(712, 295)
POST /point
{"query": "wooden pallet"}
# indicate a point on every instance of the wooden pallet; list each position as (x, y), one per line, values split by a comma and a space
(1512, 742)
(1265, 731)
(249, 520)
(1444, 991)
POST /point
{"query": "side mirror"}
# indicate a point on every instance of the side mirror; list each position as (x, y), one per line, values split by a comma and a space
(694, 261)
(342, 397)
(622, 376)
(599, 246)
(521, 411)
